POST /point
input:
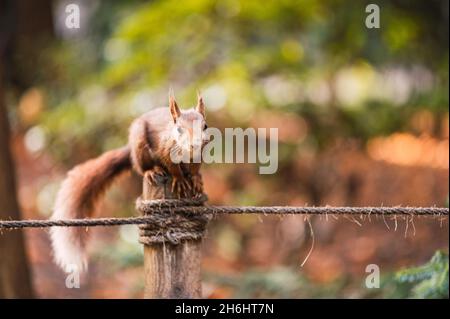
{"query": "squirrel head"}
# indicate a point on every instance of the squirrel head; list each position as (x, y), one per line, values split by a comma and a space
(188, 130)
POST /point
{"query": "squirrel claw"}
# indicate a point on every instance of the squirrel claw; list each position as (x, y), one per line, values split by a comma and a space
(180, 186)
(197, 184)
(155, 176)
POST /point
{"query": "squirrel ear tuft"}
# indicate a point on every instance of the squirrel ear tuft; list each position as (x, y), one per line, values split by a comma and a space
(173, 106)
(200, 105)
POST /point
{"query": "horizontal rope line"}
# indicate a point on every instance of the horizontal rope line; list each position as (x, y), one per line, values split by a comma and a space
(217, 210)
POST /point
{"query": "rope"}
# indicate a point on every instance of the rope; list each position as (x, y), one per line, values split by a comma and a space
(217, 210)
(166, 225)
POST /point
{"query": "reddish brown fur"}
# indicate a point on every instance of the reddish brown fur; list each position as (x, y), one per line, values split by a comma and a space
(148, 151)
(77, 198)
(96, 175)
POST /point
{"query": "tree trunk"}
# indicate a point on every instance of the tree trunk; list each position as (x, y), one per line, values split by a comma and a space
(14, 272)
(27, 29)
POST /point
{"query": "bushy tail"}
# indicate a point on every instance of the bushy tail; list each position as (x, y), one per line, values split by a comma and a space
(77, 198)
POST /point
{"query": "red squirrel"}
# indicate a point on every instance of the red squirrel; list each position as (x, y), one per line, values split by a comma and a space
(152, 138)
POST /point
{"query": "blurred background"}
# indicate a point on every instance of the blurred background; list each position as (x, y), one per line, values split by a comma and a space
(362, 114)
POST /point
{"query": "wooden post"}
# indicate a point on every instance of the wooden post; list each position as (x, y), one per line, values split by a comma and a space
(171, 271)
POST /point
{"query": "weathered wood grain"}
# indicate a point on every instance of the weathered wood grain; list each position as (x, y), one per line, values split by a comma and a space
(171, 271)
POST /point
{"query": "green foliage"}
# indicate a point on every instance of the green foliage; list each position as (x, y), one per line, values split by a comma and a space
(125, 252)
(277, 55)
(279, 282)
(429, 280)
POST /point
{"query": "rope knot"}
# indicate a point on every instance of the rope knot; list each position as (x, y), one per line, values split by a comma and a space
(168, 223)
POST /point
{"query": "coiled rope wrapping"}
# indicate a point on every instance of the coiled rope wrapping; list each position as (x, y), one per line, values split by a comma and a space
(168, 225)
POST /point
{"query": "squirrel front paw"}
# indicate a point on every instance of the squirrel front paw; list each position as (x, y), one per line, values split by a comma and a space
(180, 186)
(156, 176)
(197, 184)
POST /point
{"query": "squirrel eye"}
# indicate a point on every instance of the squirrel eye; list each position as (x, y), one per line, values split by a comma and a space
(205, 126)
